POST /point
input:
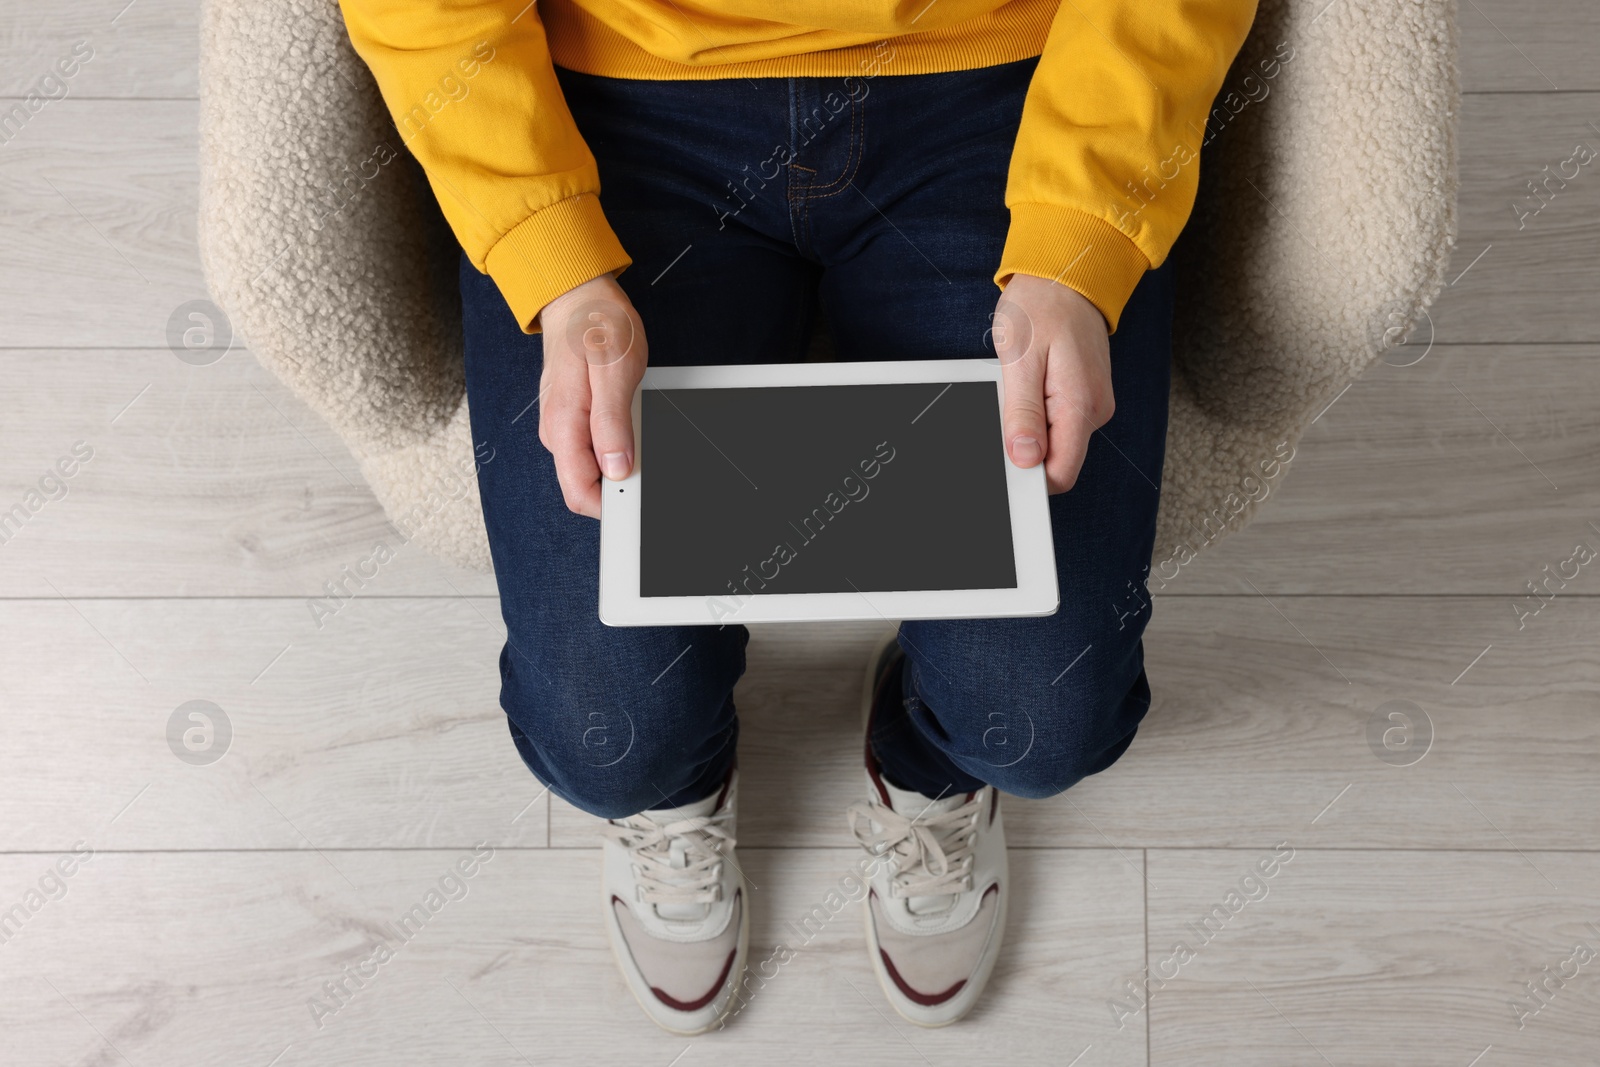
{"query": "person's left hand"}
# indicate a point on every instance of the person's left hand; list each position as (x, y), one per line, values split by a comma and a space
(1055, 354)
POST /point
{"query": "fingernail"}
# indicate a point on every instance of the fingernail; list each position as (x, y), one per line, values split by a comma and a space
(1025, 451)
(615, 465)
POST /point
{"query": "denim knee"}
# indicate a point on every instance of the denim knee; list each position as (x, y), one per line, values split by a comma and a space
(614, 748)
(1035, 742)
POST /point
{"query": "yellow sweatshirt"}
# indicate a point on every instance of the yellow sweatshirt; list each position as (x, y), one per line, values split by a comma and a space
(1102, 175)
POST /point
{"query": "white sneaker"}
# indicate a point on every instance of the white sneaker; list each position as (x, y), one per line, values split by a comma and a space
(936, 909)
(675, 909)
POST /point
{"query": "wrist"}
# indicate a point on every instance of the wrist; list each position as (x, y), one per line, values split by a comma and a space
(1023, 287)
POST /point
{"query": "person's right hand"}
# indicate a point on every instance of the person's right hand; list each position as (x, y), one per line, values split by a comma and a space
(594, 356)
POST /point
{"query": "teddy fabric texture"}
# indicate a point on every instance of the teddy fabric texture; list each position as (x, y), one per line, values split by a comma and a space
(1320, 235)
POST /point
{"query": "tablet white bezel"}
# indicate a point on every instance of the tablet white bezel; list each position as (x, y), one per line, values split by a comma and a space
(1036, 593)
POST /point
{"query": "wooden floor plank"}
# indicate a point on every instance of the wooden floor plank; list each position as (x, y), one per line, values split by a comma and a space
(1538, 273)
(381, 729)
(1369, 957)
(1466, 472)
(119, 224)
(1507, 45)
(1253, 731)
(100, 201)
(513, 967)
(203, 481)
(114, 48)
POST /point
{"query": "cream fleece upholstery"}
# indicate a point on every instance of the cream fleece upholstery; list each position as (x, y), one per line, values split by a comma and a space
(1325, 217)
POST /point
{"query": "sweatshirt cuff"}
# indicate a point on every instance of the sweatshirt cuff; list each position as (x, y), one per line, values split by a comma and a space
(551, 251)
(1077, 250)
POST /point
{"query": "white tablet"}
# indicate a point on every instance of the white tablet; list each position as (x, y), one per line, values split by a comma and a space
(801, 491)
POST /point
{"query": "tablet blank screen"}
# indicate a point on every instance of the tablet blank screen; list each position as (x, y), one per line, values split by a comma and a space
(823, 489)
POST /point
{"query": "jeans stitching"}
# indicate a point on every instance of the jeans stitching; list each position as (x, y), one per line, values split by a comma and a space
(791, 190)
(856, 149)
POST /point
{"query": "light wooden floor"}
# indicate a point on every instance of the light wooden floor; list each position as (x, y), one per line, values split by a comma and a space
(368, 755)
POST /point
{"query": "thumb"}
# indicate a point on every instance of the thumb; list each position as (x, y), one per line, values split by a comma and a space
(1023, 421)
(615, 368)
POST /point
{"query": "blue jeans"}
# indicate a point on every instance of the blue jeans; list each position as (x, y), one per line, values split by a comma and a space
(743, 204)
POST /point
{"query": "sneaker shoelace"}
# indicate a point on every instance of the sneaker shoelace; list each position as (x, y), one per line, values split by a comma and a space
(934, 852)
(677, 863)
